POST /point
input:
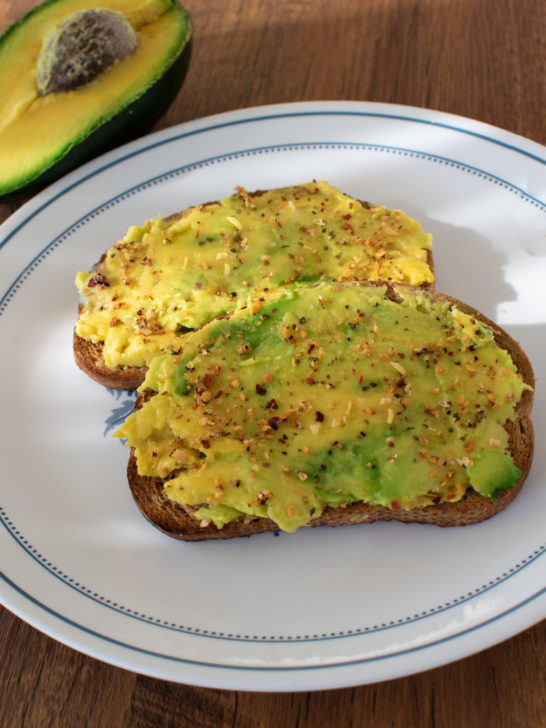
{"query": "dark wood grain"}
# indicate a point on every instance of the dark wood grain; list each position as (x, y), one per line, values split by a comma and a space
(476, 58)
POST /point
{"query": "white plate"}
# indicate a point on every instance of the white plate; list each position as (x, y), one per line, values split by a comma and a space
(321, 608)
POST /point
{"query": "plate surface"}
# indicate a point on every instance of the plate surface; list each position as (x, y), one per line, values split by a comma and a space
(321, 608)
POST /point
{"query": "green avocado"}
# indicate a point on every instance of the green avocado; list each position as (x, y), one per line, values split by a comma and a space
(78, 80)
(329, 395)
(169, 276)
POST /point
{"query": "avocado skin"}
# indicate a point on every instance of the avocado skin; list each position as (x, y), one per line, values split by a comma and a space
(133, 121)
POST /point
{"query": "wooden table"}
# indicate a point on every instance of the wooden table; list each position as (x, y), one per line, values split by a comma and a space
(471, 57)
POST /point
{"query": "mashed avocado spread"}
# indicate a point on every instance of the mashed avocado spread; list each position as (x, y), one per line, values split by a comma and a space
(167, 277)
(328, 395)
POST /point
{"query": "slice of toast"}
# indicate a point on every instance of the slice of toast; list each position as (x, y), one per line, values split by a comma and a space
(174, 275)
(89, 357)
(178, 521)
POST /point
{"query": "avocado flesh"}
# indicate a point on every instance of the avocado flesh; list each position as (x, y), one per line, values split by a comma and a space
(165, 276)
(42, 137)
(326, 396)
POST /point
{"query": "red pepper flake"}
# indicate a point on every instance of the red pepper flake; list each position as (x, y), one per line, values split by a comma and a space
(395, 505)
(99, 279)
(114, 322)
(260, 390)
(274, 422)
(319, 417)
(210, 376)
(206, 444)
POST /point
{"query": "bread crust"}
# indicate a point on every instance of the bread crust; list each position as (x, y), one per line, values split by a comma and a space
(89, 356)
(176, 520)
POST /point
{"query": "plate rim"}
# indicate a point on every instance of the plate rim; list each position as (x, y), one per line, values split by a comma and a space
(14, 223)
(435, 118)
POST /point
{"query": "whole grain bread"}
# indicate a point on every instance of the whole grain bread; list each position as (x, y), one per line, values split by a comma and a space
(177, 521)
(89, 358)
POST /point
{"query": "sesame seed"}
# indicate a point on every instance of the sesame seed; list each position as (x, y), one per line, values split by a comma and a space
(235, 222)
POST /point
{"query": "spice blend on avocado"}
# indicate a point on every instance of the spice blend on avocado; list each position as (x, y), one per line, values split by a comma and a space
(167, 277)
(328, 395)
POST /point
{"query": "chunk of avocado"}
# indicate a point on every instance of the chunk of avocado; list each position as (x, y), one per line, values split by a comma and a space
(80, 77)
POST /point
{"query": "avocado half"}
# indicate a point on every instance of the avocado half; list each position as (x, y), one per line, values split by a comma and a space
(44, 134)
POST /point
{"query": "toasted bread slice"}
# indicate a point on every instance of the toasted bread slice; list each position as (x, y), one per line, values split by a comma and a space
(219, 264)
(177, 520)
(89, 357)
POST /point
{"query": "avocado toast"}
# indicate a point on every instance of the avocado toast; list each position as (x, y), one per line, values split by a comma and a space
(332, 404)
(173, 275)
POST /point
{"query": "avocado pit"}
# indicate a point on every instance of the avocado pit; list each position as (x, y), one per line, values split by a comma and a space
(82, 47)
